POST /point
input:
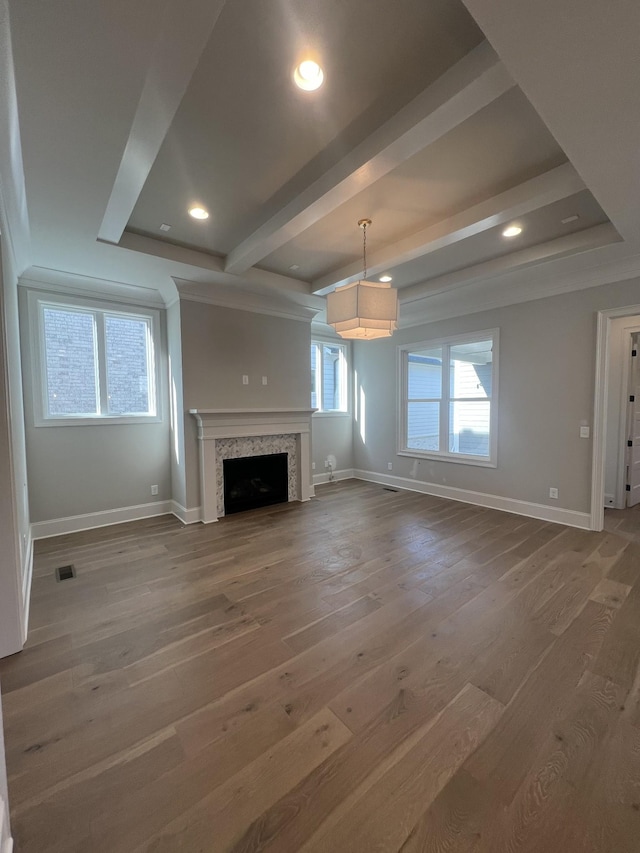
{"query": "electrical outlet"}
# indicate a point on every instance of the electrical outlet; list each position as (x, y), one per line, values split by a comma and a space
(553, 493)
(326, 463)
(154, 490)
(245, 379)
(313, 466)
(584, 432)
(389, 466)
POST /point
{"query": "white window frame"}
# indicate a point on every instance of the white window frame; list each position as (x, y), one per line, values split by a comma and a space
(38, 301)
(345, 378)
(403, 402)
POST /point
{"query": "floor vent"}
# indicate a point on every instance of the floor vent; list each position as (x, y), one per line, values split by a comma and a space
(389, 489)
(65, 573)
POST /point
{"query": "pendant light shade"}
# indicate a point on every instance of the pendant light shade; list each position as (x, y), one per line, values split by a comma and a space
(363, 310)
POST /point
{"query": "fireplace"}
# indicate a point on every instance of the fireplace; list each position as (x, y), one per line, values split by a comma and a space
(225, 434)
(254, 481)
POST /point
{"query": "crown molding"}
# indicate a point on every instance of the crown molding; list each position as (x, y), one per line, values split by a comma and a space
(245, 301)
(478, 296)
(42, 278)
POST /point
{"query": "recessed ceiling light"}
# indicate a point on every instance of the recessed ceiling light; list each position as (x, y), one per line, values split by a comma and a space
(294, 267)
(570, 219)
(198, 213)
(385, 278)
(512, 231)
(308, 76)
(165, 227)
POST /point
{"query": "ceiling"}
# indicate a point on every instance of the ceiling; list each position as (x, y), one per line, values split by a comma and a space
(442, 121)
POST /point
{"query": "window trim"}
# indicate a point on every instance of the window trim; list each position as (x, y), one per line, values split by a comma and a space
(448, 456)
(37, 302)
(346, 348)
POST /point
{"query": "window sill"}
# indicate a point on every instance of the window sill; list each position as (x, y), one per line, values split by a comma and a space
(457, 458)
(331, 415)
(98, 421)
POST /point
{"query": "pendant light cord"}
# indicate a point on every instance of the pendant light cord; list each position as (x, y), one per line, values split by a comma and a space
(364, 249)
(364, 224)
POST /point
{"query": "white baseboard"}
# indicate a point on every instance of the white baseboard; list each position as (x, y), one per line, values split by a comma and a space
(76, 523)
(186, 516)
(345, 474)
(545, 513)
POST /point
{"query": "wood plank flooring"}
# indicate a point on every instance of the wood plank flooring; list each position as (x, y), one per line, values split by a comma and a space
(371, 671)
(624, 522)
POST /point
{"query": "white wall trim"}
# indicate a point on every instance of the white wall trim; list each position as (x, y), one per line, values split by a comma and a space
(247, 301)
(532, 510)
(600, 400)
(505, 291)
(186, 516)
(27, 577)
(344, 474)
(59, 281)
(105, 518)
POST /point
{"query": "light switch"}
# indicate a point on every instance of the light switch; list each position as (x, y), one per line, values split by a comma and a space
(245, 379)
(584, 432)
(264, 380)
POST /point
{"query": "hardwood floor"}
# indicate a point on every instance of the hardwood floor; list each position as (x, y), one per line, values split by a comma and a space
(624, 522)
(371, 671)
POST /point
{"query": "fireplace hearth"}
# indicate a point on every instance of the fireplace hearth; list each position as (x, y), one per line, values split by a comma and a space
(255, 481)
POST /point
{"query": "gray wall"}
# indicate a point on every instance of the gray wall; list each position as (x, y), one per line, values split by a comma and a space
(75, 470)
(547, 364)
(219, 346)
(332, 434)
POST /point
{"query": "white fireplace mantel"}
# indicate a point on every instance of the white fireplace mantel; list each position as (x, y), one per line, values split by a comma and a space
(216, 424)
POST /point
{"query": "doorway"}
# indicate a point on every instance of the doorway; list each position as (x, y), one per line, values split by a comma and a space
(614, 422)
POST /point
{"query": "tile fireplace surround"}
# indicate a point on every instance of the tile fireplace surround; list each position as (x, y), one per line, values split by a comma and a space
(235, 433)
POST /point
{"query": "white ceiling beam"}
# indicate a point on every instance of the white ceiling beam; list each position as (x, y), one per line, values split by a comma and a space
(573, 244)
(186, 29)
(577, 63)
(552, 186)
(473, 83)
(193, 265)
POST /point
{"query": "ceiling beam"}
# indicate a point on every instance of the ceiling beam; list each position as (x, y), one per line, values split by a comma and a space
(577, 63)
(196, 266)
(572, 244)
(471, 84)
(552, 186)
(186, 29)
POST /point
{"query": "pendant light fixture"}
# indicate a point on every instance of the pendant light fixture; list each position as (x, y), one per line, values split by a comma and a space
(363, 310)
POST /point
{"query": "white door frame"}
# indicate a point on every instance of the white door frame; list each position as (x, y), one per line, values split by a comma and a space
(623, 436)
(601, 395)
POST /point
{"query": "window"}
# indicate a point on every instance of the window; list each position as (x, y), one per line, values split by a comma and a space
(328, 377)
(448, 402)
(96, 363)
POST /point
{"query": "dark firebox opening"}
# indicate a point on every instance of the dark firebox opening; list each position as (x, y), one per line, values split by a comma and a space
(255, 481)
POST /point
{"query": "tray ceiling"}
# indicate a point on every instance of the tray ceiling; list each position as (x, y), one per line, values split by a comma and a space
(130, 112)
